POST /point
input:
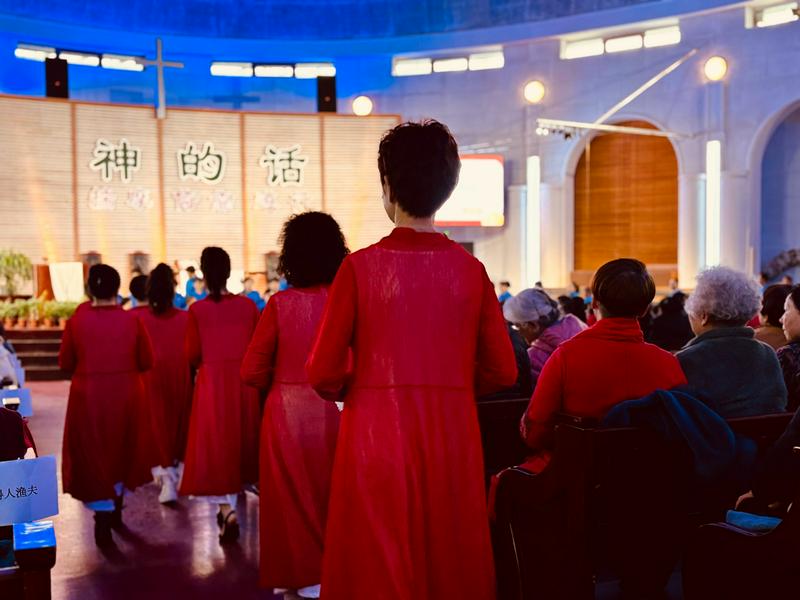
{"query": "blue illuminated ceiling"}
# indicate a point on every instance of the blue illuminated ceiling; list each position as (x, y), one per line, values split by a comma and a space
(305, 19)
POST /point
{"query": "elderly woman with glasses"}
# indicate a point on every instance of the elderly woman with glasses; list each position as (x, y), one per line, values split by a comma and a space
(733, 373)
(538, 319)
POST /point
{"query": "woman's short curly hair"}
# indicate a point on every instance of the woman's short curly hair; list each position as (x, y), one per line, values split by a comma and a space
(725, 296)
(312, 249)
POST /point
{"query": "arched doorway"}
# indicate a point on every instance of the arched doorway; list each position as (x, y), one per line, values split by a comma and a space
(780, 192)
(626, 203)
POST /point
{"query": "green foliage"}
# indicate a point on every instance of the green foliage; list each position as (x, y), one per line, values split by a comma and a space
(15, 269)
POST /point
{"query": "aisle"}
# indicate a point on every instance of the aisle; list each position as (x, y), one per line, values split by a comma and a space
(165, 552)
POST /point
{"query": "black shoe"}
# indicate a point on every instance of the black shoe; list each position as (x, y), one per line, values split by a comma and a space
(229, 530)
(220, 519)
(102, 529)
(116, 516)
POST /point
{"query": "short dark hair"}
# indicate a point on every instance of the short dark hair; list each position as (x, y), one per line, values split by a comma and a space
(103, 282)
(138, 287)
(623, 288)
(420, 163)
(506, 283)
(161, 288)
(190, 269)
(312, 249)
(216, 266)
(773, 301)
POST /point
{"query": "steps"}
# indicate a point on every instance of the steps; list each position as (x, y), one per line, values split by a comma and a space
(37, 350)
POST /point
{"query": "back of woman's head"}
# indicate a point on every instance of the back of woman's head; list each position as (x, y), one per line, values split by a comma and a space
(216, 267)
(623, 288)
(724, 296)
(420, 163)
(312, 249)
(773, 301)
(103, 282)
(532, 306)
(161, 288)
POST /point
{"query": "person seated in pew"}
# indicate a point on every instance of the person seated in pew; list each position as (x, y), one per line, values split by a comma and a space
(770, 330)
(734, 374)
(8, 374)
(603, 365)
(16, 440)
(789, 355)
(536, 316)
(670, 329)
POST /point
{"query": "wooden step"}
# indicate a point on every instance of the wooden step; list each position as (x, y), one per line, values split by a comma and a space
(34, 334)
(34, 359)
(25, 346)
(45, 373)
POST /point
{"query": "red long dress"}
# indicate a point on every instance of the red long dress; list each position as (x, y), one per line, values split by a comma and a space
(168, 385)
(407, 515)
(298, 440)
(222, 449)
(106, 349)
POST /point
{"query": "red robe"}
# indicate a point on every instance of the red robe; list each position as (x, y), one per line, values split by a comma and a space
(222, 449)
(106, 349)
(298, 440)
(168, 385)
(407, 515)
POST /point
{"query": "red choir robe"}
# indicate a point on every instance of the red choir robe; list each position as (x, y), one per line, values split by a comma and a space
(168, 385)
(298, 440)
(407, 516)
(222, 447)
(106, 349)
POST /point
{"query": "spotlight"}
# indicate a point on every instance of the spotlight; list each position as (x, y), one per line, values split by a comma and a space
(715, 68)
(362, 106)
(534, 91)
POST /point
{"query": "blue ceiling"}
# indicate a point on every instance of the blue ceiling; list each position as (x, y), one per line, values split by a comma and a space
(304, 19)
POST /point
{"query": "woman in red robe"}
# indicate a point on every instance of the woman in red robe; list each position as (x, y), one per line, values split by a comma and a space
(106, 349)
(222, 449)
(298, 431)
(168, 384)
(407, 516)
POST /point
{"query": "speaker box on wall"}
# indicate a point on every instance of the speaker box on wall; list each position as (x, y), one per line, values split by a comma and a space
(326, 94)
(55, 71)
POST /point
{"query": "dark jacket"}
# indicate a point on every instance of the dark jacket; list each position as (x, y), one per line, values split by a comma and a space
(734, 374)
(676, 416)
(778, 474)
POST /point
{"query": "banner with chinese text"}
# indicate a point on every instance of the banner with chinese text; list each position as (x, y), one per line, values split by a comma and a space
(28, 490)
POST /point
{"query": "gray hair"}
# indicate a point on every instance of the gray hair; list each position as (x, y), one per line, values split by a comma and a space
(531, 305)
(725, 296)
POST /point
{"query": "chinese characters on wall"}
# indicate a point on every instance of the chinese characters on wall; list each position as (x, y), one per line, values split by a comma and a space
(283, 166)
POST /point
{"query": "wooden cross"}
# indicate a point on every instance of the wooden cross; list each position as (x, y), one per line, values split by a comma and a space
(159, 63)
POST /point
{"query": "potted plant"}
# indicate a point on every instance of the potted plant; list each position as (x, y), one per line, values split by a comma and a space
(15, 269)
(64, 311)
(6, 314)
(49, 313)
(23, 311)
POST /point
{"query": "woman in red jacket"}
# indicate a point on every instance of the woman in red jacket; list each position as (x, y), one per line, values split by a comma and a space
(168, 384)
(106, 349)
(603, 365)
(222, 449)
(299, 429)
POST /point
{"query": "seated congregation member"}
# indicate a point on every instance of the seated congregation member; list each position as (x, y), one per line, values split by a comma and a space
(16, 440)
(670, 328)
(730, 371)
(253, 294)
(772, 306)
(538, 318)
(105, 349)
(523, 387)
(603, 365)
(789, 355)
(138, 290)
(298, 429)
(222, 448)
(407, 516)
(168, 384)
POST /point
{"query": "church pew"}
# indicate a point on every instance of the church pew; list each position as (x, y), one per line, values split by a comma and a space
(26, 572)
(611, 500)
(499, 424)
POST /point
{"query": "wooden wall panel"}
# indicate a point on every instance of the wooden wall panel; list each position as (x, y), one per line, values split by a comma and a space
(352, 183)
(626, 201)
(270, 203)
(116, 217)
(198, 212)
(36, 194)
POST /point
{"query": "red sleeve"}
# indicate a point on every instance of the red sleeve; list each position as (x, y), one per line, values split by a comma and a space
(496, 362)
(328, 363)
(193, 350)
(259, 359)
(144, 348)
(67, 355)
(28, 436)
(538, 421)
